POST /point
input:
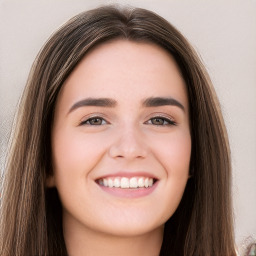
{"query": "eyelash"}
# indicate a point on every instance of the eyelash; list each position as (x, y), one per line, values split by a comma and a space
(165, 121)
(87, 121)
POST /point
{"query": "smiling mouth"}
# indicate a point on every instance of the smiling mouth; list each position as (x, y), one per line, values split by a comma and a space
(127, 183)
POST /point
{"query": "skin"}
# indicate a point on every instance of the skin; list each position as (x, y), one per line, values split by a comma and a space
(126, 138)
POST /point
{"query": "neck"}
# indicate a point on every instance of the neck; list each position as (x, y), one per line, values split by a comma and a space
(91, 243)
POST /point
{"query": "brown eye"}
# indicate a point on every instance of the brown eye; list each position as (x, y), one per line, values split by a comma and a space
(94, 121)
(157, 121)
(161, 121)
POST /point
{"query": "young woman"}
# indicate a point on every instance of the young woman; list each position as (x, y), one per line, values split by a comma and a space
(120, 146)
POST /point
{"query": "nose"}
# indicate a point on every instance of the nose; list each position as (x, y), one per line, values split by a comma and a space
(129, 144)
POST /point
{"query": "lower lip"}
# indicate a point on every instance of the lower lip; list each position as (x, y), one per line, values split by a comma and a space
(129, 192)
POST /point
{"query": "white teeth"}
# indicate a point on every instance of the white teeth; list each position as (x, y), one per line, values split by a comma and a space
(110, 183)
(124, 182)
(146, 182)
(116, 183)
(141, 182)
(133, 183)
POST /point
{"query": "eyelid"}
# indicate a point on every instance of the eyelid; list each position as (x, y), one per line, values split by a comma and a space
(167, 118)
(171, 121)
(93, 116)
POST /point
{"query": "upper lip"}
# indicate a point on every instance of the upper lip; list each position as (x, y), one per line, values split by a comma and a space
(128, 174)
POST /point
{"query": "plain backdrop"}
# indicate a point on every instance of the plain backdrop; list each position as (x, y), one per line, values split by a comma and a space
(224, 34)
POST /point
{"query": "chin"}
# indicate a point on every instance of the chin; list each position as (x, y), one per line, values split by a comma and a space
(130, 230)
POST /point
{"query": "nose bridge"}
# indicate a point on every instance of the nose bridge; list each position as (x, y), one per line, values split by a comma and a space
(129, 143)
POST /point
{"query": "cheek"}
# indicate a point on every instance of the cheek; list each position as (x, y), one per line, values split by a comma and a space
(179, 152)
(75, 153)
(174, 152)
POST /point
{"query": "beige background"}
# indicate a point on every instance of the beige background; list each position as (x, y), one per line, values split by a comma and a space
(223, 32)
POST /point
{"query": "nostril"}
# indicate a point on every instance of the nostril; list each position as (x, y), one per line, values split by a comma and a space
(128, 146)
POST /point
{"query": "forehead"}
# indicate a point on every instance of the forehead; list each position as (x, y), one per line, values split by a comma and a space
(123, 70)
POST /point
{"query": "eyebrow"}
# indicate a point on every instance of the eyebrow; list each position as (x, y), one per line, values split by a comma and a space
(161, 101)
(96, 102)
(107, 102)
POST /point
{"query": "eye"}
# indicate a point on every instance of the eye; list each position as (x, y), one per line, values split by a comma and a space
(94, 121)
(160, 121)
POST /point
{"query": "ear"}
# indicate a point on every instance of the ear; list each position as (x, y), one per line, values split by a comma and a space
(50, 181)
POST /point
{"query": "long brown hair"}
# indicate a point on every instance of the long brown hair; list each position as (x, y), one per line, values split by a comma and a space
(31, 222)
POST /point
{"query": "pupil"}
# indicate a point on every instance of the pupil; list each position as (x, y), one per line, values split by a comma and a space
(158, 121)
(96, 121)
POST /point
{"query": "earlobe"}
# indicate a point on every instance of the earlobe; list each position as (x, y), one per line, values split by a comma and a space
(50, 181)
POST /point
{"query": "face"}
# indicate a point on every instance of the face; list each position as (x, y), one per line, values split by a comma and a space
(121, 140)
